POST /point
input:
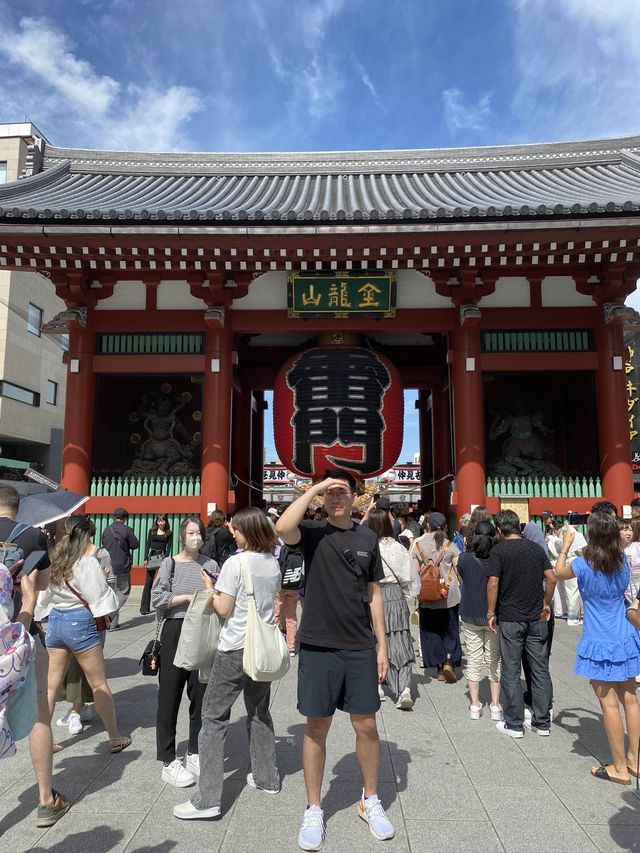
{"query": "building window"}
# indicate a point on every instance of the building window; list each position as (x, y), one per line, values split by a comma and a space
(34, 322)
(3, 173)
(52, 392)
(17, 392)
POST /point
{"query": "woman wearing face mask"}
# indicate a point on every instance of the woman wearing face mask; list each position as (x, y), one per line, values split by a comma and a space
(178, 579)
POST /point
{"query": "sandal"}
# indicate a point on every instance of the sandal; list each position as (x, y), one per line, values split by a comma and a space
(632, 771)
(602, 773)
(120, 744)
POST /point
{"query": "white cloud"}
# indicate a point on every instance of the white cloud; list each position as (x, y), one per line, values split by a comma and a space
(366, 80)
(51, 83)
(464, 116)
(315, 17)
(577, 68)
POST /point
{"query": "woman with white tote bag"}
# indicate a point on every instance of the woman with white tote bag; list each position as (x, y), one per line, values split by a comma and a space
(256, 536)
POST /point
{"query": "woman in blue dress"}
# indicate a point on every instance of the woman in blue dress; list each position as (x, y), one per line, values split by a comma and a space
(609, 650)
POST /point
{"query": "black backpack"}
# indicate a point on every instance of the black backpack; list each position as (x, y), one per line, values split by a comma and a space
(217, 547)
(291, 566)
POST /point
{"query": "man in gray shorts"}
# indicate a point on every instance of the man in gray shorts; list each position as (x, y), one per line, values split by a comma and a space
(339, 667)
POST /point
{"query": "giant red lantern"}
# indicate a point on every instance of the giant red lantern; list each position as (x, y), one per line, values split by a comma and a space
(338, 407)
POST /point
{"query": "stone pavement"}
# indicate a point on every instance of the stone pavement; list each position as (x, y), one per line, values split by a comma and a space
(448, 783)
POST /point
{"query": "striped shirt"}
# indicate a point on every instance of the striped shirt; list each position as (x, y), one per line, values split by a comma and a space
(186, 581)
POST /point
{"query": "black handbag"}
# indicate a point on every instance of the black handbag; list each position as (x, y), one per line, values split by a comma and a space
(150, 659)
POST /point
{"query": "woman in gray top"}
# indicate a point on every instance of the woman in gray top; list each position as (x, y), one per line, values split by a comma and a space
(178, 579)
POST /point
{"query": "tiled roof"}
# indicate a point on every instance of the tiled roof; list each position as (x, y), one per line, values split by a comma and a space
(527, 181)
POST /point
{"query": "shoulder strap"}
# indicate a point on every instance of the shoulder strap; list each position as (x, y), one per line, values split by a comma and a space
(246, 576)
(78, 596)
(398, 581)
(17, 531)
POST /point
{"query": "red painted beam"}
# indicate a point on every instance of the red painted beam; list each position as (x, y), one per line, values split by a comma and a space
(537, 361)
(407, 320)
(152, 364)
(143, 505)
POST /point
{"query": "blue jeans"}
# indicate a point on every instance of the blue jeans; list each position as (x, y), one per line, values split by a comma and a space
(226, 682)
(74, 630)
(517, 640)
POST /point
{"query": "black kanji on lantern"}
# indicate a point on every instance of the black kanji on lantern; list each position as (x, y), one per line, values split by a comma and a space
(338, 397)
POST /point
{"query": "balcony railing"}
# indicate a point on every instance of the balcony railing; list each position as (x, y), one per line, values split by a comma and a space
(545, 487)
(145, 487)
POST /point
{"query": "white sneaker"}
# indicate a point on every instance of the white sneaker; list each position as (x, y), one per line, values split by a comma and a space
(251, 782)
(405, 702)
(381, 695)
(75, 723)
(502, 728)
(542, 732)
(475, 712)
(64, 721)
(187, 811)
(496, 712)
(192, 764)
(311, 833)
(371, 811)
(574, 621)
(176, 775)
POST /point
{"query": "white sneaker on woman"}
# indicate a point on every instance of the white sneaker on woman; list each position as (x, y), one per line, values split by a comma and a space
(192, 763)
(405, 702)
(475, 711)
(496, 712)
(176, 775)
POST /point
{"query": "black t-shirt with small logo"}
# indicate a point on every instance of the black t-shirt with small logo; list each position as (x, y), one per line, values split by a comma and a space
(336, 614)
(520, 565)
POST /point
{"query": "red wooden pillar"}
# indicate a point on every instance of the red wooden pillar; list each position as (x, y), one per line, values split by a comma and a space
(441, 425)
(423, 404)
(613, 422)
(79, 409)
(242, 417)
(468, 408)
(216, 428)
(257, 450)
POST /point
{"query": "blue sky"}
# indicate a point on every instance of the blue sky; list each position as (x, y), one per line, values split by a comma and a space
(320, 74)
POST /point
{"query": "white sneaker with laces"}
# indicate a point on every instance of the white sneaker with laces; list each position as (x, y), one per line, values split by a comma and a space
(502, 728)
(475, 711)
(75, 723)
(63, 722)
(311, 833)
(528, 724)
(251, 782)
(496, 712)
(371, 811)
(176, 775)
(187, 811)
(192, 764)
(405, 702)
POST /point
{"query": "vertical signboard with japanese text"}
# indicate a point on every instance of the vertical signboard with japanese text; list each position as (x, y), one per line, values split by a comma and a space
(632, 371)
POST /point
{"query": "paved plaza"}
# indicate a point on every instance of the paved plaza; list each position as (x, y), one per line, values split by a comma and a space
(448, 783)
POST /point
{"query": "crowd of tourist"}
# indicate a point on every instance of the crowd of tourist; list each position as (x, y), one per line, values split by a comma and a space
(358, 580)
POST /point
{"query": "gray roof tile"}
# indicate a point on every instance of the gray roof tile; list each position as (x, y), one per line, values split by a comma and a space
(512, 181)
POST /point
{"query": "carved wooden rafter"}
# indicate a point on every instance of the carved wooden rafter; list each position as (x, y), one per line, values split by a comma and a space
(74, 288)
(220, 288)
(615, 283)
(471, 284)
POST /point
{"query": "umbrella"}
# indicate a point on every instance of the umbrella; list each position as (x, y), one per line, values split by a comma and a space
(38, 510)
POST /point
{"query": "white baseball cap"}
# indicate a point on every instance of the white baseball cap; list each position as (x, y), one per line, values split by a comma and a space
(273, 511)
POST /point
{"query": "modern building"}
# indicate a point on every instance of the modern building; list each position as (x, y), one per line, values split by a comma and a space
(32, 373)
(190, 279)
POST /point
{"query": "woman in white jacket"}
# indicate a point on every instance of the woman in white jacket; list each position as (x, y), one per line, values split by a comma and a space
(76, 599)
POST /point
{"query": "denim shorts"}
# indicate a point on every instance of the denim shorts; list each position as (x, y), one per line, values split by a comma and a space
(74, 630)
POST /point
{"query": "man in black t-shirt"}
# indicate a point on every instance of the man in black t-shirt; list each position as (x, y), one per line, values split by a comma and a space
(52, 805)
(342, 620)
(521, 605)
